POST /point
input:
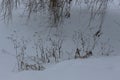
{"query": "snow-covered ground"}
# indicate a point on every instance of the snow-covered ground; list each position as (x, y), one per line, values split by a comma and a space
(105, 68)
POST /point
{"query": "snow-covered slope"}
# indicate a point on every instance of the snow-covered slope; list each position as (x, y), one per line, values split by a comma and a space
(106, 68)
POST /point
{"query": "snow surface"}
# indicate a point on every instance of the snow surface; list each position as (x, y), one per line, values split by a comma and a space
(105, 68)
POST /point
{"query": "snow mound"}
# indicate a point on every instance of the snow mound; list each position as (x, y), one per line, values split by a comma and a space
(107, 68)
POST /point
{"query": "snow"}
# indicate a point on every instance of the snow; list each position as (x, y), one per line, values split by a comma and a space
(104, 68)
(93, 68)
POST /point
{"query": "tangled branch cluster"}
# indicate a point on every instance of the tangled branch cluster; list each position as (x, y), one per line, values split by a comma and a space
(57, 10)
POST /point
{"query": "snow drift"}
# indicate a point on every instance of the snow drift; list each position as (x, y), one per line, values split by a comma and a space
(105, 68)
